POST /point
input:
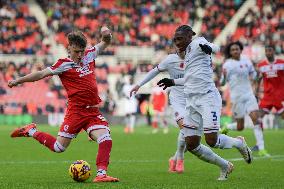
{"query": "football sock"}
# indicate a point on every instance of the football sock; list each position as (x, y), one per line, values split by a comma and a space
(180, 147)
(105, 145)
(232, 126)
(206, 154)
(259, 136)
(227, 142)
(101, 172)
(45, 139)
(132, 122)
(32, 131)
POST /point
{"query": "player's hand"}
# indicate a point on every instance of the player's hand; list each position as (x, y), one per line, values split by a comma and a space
(165, 83)
(106, 34)
(134, 90)
(12, 83)
(206, 48)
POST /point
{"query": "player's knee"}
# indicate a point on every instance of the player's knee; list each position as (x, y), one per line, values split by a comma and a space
(191, 145)
(58, 147)
(211, 142)
(103, 137)
(240, 128)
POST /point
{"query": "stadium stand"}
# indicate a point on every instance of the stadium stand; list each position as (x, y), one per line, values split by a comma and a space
(20, 31)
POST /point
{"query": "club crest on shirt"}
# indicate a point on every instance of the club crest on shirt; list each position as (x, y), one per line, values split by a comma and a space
(181, 65)
(66, 127)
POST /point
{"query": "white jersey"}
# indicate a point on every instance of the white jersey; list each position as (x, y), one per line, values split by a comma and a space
(238, 76)
(131, 102)
(174, 65)
(198, 76)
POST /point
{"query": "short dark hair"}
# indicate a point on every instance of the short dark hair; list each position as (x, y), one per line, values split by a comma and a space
(185, 28)
(228, 48)
(77, 38)
(270, 46)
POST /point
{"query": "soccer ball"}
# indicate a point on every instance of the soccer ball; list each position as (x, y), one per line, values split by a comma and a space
(80, 170)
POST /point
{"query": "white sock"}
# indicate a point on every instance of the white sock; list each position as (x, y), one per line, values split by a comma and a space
(32, 131)
(232, 126)
(206, 154)
(180, 147)
(227, 142)
(132, 121)
(258, 133)
(101, 172)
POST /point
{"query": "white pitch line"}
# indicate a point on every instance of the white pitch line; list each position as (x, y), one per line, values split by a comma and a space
(273, 157)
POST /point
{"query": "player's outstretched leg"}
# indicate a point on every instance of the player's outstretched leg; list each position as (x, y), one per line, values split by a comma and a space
(227, 142)
(105, 144)
(44, 138)
(206, 154)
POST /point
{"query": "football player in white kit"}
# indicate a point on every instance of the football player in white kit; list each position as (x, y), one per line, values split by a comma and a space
(203, 102)
(130, 107)
(174, 65)
(238, 72)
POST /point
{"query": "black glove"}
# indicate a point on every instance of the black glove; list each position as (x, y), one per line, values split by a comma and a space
(206, 48)
(165, 83)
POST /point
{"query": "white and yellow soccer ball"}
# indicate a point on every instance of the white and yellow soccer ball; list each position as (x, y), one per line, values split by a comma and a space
(80, 170)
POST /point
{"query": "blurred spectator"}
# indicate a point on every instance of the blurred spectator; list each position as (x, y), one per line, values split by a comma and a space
(141, 22)
(20, 31)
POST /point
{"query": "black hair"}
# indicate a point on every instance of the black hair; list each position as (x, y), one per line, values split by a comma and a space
(270, 46)
(185, 28)
(228, 48)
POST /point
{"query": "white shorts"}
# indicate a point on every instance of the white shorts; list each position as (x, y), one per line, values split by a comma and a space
(244, 106)
(178, 106)
(203, 113)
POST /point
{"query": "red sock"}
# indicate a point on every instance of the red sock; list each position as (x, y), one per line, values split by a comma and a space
(155, 124)
(104, 154)
(45, 139)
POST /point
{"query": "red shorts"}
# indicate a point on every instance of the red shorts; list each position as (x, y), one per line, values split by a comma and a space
(78, 118)
(267, 105)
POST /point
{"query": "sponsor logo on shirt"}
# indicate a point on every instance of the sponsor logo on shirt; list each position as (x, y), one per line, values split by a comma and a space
(84, 70)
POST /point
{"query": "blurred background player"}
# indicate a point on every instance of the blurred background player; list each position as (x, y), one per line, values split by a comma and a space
(159, 100)
(271, 75)
(174, 65)
(239, 72)
(77, 76)
(203, 102)
(130, 106)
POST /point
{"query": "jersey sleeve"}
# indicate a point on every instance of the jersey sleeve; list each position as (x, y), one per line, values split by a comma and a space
(252, 71)
(60, 66)
(93, 52)
(163, 66)
(215, 48)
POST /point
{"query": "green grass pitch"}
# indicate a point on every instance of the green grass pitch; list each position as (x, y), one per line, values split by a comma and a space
(140, 160)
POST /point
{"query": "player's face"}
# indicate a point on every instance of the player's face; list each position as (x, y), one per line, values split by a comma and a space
(269, 52)
(235, 51)
(76, 53)
(181, 40)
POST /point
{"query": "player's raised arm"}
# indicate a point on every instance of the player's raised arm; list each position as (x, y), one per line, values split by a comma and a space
(106, 39)
(30, 77)
(208, 47)
(163, 66)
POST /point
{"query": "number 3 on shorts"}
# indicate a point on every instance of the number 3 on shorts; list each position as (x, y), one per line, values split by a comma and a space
(214, 115)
